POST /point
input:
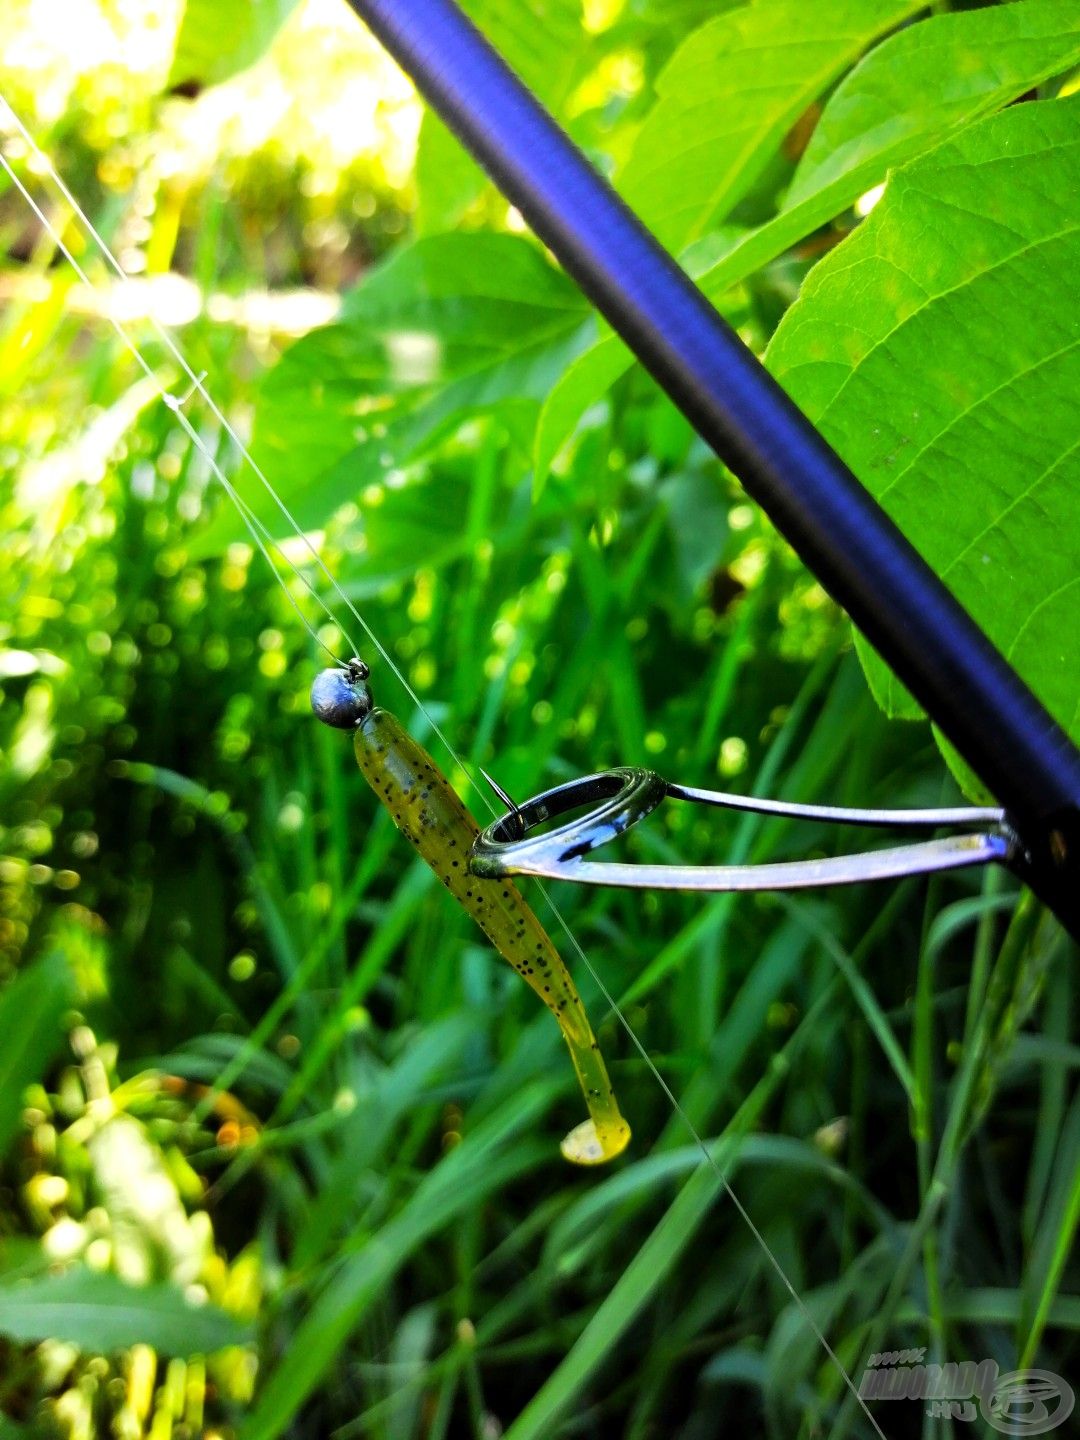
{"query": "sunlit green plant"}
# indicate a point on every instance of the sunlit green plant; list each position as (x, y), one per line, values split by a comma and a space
(569, 580)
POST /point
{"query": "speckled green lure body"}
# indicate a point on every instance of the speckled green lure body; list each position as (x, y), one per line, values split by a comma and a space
(428, 812)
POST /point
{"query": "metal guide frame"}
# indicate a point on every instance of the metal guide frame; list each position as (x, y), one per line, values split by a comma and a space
(519, 844)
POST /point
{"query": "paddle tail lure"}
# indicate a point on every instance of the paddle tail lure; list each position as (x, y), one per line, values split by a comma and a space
(426, 809)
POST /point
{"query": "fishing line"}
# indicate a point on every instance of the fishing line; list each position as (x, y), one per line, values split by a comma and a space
(263, 539)
(197, 385)
(250, 519)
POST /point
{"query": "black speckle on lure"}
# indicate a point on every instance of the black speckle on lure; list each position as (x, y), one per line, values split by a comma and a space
(427, 811)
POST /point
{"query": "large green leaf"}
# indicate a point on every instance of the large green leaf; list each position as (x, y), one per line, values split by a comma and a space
(965, 62)
(452, 325)
(30, 1033)
(219, 38)
(99, 1313)
(728, 97)
(928, 81)
(939, 351)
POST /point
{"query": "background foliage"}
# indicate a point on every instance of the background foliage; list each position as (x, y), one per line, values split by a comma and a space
(279, 1132)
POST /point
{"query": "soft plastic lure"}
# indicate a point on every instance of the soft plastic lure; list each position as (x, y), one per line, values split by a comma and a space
(428, 812)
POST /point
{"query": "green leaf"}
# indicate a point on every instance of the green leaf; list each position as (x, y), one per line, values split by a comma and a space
(584, 381)
(1054, 1237)
(543, 41)
(730, 94)
(968, 63)
(925, 345)
(448, 179)
(633, 1290)
(30, 1035)
(697, 521)
(452, 325)
(99, 1313)
(1002, 1307)
(219, 38)
(951, 70)
(21, 1258)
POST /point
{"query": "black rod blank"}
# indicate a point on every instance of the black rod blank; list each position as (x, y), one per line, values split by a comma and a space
(841, 533)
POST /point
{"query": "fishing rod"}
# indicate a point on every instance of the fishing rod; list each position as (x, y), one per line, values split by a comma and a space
(854, 549)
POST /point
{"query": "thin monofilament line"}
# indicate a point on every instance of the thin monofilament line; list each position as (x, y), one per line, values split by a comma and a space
(197, 385)
(164, 336)
(722, 1175)
(251, 520)
(255, 526)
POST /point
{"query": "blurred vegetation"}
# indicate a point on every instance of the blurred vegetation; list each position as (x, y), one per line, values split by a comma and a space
(279, 1131)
